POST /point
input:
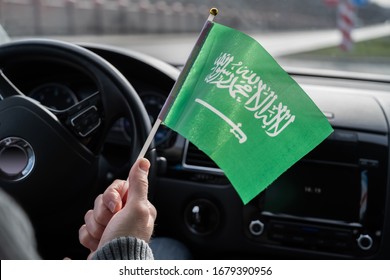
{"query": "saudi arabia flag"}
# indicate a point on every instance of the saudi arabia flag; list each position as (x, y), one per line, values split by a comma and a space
(236, 104)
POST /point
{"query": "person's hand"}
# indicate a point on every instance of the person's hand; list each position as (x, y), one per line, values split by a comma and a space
(122, 210)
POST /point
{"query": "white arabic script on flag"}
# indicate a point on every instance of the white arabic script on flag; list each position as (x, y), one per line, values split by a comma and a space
(244, 84)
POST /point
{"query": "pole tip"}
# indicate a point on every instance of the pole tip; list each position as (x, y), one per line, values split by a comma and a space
(214, 11)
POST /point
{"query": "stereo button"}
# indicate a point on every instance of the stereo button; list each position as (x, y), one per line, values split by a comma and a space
(256, 227)
(365, 242)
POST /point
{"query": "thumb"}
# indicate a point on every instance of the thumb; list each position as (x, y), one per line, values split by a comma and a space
(138, 181)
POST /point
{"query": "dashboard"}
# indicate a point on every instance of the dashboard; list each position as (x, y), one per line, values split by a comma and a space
(56, 94)
(331, 204)
(334, 203)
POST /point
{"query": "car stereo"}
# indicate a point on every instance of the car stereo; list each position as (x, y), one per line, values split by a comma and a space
(331, 201)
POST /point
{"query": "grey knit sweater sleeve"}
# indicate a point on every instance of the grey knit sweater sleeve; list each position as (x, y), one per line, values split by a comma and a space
(124, 248)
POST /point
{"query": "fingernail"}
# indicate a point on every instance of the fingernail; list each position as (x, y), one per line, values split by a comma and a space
(111, 206)
(144, 165)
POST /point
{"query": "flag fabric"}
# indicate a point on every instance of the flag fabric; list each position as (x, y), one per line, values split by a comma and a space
(236, 104)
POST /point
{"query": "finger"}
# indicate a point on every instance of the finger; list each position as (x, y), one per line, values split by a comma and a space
(138, 181)
(93, 227)
(101, 214)
(87, 240)
(113, 196)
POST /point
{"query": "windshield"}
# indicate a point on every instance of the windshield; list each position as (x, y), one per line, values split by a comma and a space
(351, 35)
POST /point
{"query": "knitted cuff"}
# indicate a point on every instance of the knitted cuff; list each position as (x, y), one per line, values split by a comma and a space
(124, 248)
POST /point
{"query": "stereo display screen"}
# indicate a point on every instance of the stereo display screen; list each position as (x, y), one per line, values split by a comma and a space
(319, 191)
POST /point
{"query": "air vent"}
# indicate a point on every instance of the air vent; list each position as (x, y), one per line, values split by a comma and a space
(197, 160)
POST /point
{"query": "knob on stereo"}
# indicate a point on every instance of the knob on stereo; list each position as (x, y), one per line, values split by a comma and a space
(256, 227)
(364, 242)
(202, 216)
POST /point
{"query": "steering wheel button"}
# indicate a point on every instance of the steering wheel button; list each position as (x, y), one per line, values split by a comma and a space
(86, 121)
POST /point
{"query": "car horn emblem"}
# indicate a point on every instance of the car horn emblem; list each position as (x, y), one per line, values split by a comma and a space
(17, 158)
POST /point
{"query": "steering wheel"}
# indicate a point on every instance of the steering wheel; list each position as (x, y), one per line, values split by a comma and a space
(51, 161)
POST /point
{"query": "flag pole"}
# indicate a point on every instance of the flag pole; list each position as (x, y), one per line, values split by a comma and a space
(153, 131)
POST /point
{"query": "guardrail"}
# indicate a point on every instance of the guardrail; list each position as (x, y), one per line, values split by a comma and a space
(80, 17)
(71, 17)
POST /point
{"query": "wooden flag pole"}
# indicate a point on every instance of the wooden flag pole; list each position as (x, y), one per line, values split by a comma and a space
(153, 131)
(149, 139)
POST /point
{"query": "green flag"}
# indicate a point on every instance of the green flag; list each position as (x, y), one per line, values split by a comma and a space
(236, 104)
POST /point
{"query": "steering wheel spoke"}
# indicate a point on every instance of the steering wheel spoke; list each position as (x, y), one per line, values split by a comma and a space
(7, 88)
(83, 118)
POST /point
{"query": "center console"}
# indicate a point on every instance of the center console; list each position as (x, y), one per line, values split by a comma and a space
(327, 202)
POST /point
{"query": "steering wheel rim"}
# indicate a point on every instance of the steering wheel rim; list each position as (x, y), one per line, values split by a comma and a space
(68, 168)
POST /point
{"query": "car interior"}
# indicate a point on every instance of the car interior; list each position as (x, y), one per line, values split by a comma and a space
(74, 116)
